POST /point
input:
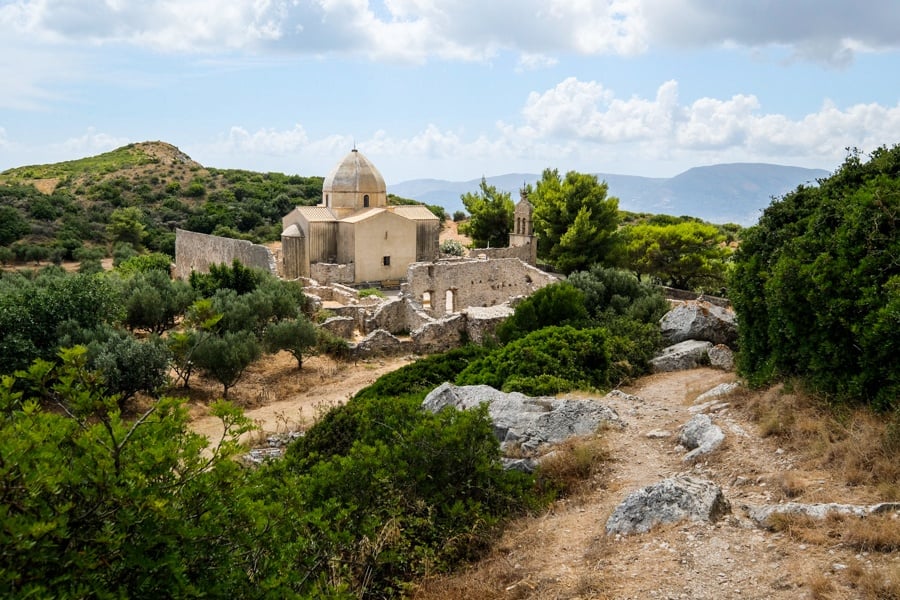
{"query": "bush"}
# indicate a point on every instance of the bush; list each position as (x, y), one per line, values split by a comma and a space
(425, 374)
(453, 248)
(553, 305)
(426, 490)
(816, 286)
(573, 358)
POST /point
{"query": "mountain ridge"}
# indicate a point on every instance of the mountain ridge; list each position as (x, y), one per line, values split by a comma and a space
(719, 193)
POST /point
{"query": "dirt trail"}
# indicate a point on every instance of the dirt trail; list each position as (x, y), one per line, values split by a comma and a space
(281, 398)
(566, 553)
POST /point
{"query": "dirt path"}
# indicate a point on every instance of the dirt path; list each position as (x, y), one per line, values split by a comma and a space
(566, 554)
(281, 398)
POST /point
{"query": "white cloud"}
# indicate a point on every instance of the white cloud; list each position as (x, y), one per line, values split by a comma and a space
(408, 30)
(706, 130)
(532, 62)
(825, 31)
(828, 31)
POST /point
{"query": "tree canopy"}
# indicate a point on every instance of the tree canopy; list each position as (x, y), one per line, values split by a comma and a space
(816, 284)
(685, 255)
(491, 217)
(573, 219)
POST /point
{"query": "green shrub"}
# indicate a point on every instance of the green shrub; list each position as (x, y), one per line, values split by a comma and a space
(426, 490)
(554, 305)
(816, 285)
(576, 358)
(425, 374)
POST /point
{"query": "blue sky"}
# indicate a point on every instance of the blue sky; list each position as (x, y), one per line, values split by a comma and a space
(452, 89)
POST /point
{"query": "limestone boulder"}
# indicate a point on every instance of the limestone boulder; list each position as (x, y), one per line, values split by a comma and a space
(721, 357)
(682, 356)
(700, 436)
(669, 501)
(521, 421)
(761, 515)
(698, 320)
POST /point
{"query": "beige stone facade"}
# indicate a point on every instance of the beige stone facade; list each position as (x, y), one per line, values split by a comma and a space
(353, 236)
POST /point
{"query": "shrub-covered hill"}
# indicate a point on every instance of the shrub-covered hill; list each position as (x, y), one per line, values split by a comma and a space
(138, 194)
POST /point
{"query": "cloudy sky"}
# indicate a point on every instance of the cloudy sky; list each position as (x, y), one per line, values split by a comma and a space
(452, 89)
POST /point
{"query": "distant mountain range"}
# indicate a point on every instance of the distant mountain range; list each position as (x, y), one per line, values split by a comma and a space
(725, 193)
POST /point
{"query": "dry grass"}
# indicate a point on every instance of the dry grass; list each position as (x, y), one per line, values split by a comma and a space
(874, 533)
(575, 466)
(875, 584)
(856, 582)
(790, 485)
(857, 444)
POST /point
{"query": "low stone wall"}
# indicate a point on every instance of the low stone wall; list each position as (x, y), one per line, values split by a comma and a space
(526, 253)
(196, 251)
(333, 273)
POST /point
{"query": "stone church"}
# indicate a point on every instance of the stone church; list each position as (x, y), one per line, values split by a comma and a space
(353, 237)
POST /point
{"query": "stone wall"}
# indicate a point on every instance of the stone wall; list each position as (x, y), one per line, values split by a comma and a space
(449, 286)
(526, 253)
(333, 273)
(196, 251)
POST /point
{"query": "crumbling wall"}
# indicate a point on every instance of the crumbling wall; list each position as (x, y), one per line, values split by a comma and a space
(526, 253)
(449, 286)
(196, 251)
(396, 315)
(333, 273)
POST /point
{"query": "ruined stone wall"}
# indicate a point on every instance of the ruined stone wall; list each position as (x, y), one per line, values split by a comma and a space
(464, 283)
(526, 253)
(196, 251)
(332, 273)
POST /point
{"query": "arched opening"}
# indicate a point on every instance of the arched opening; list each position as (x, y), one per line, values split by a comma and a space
(366, 201)
(426, 300)
(450, 302)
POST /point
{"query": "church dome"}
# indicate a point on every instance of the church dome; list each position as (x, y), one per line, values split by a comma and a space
(355, 174)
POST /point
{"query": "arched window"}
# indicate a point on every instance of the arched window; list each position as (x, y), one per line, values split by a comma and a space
(366, 201)
(449, 302)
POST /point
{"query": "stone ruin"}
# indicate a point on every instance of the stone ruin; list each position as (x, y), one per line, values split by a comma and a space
(442, 305)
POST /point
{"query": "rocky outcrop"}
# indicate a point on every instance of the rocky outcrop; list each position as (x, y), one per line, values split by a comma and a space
(682, 356)
(700, 436)
(668, 501)
(397, 315)
(761, 515)
(482, 321)
(721, 357)
(523, 422)
(699, 321)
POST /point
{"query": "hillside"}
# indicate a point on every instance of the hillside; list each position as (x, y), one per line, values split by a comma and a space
(57, 209)
(726, 193)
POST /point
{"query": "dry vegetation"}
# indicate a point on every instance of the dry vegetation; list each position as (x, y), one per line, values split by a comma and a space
(783, 447)
(858, 445)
